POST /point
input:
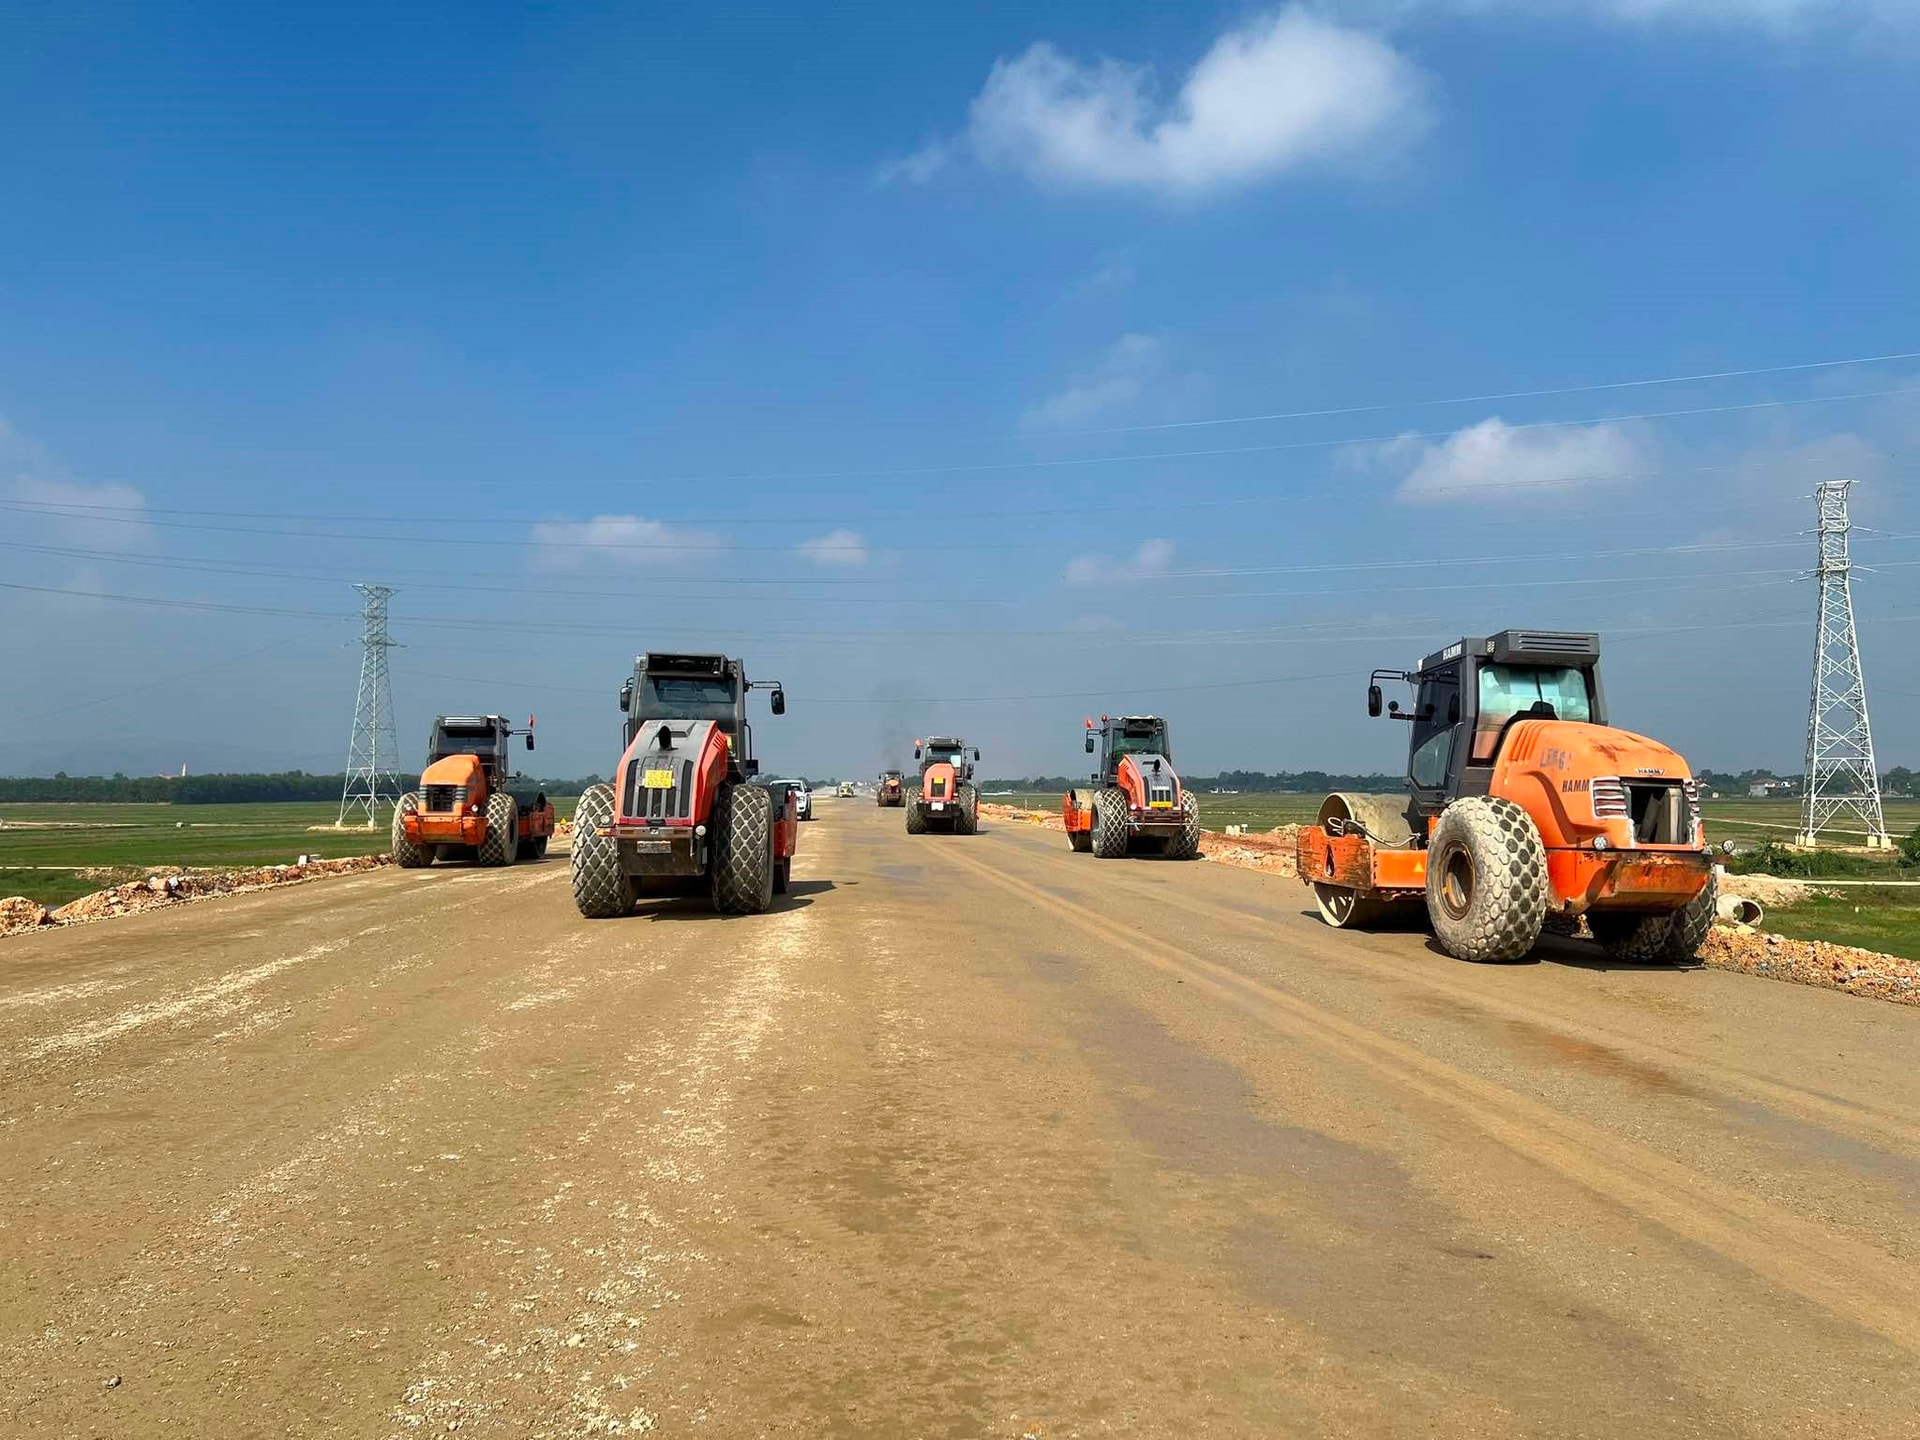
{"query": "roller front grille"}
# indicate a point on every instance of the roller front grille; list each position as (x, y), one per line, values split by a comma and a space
(675, 803)
(443, 799)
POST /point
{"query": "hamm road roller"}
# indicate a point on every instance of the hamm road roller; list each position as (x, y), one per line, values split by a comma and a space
(1137, 804)
(682, 815)
(463, 808)
(1525, 807)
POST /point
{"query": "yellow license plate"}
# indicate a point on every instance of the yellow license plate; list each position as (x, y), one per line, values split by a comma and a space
(1160, 805)
(657, 780)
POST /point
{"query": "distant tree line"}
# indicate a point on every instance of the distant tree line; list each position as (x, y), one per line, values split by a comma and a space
(1898, 781)
(209, 789)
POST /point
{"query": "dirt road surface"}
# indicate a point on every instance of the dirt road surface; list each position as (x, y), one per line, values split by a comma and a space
(969, 1137)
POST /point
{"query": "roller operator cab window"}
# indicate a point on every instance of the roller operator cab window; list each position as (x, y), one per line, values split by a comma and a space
(1430, 761)
(948, 753)
(1509, 690)
(1436, 715)
(464, 742)
(1138, 742)
(692, 697)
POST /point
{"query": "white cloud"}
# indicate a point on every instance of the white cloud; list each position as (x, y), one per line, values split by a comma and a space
(1491, 461)
(93, 517)
(843, 548)
(919, 167)
(1132, 370)
(1154, 557)
(1115, 383)
(1288, 91)
(63, 511)
(620, 540)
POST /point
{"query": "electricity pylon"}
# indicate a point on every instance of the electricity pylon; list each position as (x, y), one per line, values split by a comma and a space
(1841, 778)
(371, 753)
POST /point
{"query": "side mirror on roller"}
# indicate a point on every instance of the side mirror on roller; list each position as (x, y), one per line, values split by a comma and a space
(779, 701)
(1373, 701)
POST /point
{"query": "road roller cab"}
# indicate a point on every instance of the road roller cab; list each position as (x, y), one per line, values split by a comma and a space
(944, 798)
(465, 806)
(1136, 804)
(1525, 809)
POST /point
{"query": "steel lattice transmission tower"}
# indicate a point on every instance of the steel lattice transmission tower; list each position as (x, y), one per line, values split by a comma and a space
(371, 779)
(1841, 778)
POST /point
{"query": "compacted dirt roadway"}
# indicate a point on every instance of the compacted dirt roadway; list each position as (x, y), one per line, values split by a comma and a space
(969, 1137)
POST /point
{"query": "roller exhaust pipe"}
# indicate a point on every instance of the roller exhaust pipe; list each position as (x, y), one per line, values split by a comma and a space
(1740, 910)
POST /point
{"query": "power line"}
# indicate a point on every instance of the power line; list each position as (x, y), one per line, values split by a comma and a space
(623, 627)
(1626, 635)
(1589, 389)
(197, 565)
(172, 679)
(1066, 463)
(139, 517)
(86, 510)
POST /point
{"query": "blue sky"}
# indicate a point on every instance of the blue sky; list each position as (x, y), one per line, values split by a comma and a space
(921, 360)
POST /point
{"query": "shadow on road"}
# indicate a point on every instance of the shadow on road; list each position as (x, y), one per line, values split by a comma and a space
(1574, 955)
(699, 907)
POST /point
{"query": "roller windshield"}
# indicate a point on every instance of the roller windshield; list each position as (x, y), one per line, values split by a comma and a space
(463, 740)
(686, 697)
(1140, 740)
(1509, 690)
(943, 752)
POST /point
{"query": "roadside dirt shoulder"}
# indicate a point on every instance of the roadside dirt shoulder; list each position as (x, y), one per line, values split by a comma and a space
(173, 886)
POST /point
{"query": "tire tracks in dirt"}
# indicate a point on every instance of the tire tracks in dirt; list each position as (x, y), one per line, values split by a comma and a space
(1851, 1280)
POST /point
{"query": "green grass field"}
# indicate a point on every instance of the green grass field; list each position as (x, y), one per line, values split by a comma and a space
(122, 842)
(1887, 920)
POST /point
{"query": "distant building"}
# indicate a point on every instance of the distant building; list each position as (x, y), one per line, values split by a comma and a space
(1771, 789)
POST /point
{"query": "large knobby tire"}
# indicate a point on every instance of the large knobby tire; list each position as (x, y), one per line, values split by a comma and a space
(966, 815)
(1689, 925)
(742, 830)
(1110, 824)
(601, 889)
(502, 845)
(1630, 935)
(406, 854)
(1186, 845)
(916, 815)
(1486, 880)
